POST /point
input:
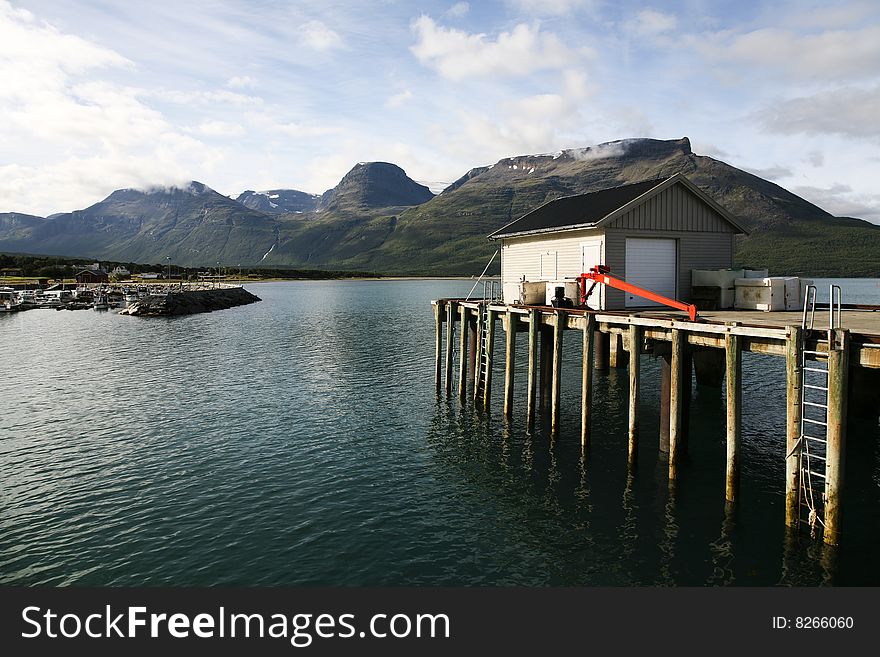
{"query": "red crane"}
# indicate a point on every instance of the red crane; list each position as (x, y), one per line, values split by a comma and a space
(601, 274)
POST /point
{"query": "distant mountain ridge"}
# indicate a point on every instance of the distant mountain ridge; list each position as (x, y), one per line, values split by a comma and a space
(279, 201)
(378, 219)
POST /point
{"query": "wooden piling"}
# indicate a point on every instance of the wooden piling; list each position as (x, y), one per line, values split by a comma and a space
(676, 400)
(438, 336)
(793, 424)
(546, 374)
(478, 362)
(472, 348)
(616, 353)
(589, 332)
(838, 380)
(558, 329)
(635, 348)
(450, 345)
(463, 353)
(509, 362)
(534, 322)
(709, 367)
(733, 351)
(601, 347)
(665, 352)
(490, 343)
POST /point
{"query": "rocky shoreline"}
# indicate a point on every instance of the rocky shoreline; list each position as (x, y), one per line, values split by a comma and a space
(190, 302)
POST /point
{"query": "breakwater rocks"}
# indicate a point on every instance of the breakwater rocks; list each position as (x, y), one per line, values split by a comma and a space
(189, 302)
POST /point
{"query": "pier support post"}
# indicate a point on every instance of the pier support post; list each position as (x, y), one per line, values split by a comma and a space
(534, 323)
(546, 378)
(676, 401)
(587, 379)
(438, 343)
(558, 328)
(602, 350)
(838, 379)
(490, 343)
(472, 348)
(478, 361)
(709, 367)
(509, 362)
(733, 350)
(463, 353)
(616, 353)
(792, 424)
(450, 346)
(665, 353)
(635, 348)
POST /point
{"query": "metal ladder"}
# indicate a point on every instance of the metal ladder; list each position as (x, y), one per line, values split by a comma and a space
(814, 410)
(491, 291)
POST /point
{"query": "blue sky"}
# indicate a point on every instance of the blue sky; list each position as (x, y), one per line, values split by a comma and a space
(100, 95)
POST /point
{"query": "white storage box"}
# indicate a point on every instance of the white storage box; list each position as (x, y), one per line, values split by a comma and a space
(760, 294)
(725, 279)
(525, 292)
(755, 273)
(722, 278)
(532, 292)
(571, 291)
(793, 290)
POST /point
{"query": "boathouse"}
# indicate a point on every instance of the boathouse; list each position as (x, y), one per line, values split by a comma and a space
(651, 233)
(92, 276)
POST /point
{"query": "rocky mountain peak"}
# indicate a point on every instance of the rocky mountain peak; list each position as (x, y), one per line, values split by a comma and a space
(375, 185)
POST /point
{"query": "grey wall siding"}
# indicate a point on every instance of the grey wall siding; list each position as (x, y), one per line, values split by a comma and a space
(695, 251)
(674, 208)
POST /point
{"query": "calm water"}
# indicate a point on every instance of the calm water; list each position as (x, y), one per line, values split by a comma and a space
(299, 441)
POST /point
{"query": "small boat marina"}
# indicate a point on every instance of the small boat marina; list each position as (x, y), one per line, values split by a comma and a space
(135, 300)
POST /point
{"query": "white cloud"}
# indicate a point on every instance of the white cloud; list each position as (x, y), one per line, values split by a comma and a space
(550, 7)
(456, 54)
(220, 129)
(271, 124)
(399, 99)
(459, 9)
(815, 158)
(537, 123)
(241, 82)
(851, 112)
(73, 130)
(213, 97)
(831, 55)
(319, 37)
(842, 201)
(775, 172)
(650, 22)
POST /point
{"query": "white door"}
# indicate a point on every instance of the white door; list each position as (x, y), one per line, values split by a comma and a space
(548, 266)
(651, 264)
(591, 255)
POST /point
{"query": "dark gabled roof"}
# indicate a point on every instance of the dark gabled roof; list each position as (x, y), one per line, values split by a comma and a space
(576, 210)
(594, 208)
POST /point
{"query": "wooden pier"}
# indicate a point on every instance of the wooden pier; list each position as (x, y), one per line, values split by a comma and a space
(712, 346)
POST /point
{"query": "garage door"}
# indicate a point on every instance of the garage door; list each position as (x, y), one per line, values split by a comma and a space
(650, 263)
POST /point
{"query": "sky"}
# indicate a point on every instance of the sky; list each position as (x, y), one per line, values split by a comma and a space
(99, 95)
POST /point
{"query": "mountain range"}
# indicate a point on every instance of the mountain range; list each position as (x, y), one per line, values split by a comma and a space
(378, 219)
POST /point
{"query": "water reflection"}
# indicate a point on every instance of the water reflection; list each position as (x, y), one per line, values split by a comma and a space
(722, 550)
